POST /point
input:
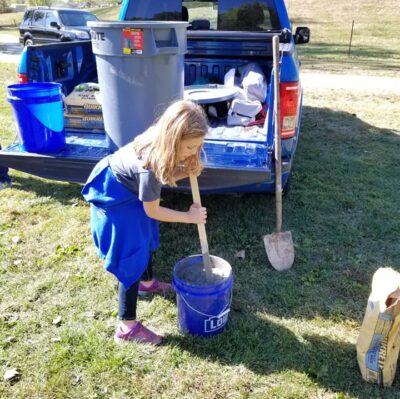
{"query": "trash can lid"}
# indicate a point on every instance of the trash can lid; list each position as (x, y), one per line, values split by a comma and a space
(211, 93)
(137, 24)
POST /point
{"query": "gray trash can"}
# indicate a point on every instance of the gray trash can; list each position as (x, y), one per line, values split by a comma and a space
(140, 67)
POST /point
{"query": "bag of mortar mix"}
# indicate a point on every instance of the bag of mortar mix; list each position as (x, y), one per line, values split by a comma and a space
(379, 340)
(254, 82)
(84, 121)
(249, 98)
(84, 99)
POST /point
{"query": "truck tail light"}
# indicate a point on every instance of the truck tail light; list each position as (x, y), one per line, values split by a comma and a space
(22, 78)
(289, 93)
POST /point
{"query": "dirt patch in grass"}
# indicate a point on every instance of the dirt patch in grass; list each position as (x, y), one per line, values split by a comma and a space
(372, 99)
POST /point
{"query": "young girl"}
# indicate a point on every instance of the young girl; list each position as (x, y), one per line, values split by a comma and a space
(124, 192)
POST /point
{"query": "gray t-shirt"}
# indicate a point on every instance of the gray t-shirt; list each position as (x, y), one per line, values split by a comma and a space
(129, 171)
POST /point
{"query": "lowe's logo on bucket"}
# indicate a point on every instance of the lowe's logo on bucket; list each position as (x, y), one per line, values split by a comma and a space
(215, 322)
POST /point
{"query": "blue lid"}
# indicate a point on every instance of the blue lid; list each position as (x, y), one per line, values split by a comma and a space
(34, 90)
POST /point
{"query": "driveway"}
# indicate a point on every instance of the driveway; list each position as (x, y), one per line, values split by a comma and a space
(10, 49)
(354, 83)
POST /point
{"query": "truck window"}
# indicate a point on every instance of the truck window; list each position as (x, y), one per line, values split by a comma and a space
(227, 15)
(155, 10)
(200, 10)
(236, 15)
(247, 15)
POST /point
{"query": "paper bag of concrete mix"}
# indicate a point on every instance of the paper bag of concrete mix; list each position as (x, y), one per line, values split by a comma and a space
(379, 340)
(84, 99)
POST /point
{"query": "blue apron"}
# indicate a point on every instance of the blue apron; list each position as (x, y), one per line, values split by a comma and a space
(122, 232)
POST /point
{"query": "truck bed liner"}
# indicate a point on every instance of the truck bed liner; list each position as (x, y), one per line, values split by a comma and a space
(228, 165)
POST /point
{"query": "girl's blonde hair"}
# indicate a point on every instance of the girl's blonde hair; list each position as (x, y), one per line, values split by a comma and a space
(158, 145)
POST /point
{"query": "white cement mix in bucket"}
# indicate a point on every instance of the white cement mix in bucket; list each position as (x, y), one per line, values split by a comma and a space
(195, 274)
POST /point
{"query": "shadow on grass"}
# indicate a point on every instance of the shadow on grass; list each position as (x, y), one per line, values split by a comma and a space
(265, 348)
(12, 48)
(342, 211)
(10, 26)
(65, 193)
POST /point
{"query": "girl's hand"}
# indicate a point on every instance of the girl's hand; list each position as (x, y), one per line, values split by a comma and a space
(197, 214)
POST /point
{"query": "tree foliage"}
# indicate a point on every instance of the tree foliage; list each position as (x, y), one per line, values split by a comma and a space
(4, 6)
(40, 2)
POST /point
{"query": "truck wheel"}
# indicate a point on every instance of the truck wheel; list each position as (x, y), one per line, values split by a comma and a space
(28, 42)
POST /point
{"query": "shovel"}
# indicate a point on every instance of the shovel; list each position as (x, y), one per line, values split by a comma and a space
(202, 231)
(279, 245)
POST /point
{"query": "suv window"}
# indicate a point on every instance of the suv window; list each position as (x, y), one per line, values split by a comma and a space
(51, 16)
(27, 17)
(71, 18)
(38, 18)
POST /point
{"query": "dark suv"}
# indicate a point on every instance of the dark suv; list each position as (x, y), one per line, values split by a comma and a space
(41, 25)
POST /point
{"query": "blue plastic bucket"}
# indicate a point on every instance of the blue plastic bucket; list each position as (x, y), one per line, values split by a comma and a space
(38, 112)
(203, 309)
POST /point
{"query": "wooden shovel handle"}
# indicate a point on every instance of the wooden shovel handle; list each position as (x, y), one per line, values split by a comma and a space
(202, 229)
(277, 136)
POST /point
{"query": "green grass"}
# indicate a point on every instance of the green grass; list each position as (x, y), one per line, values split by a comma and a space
(289, 335)
(110, 13)
(376, 35)
(11, 19)
(9, 23)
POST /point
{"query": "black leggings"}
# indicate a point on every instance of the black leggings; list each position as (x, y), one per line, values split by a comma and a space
(127, 298)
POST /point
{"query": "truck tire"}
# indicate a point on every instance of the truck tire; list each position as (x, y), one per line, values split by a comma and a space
(28, 42)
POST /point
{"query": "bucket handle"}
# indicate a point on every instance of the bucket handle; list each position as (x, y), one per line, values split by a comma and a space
(205, 314)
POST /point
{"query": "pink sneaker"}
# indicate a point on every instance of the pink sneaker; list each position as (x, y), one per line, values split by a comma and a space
(157, 287)
(137, 333)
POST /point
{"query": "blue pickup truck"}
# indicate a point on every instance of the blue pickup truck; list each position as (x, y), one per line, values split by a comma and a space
(221, 35)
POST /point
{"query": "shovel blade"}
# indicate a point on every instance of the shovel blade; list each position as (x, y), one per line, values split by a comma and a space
(280, 250)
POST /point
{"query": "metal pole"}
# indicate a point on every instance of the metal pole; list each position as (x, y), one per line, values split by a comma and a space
(351, 36)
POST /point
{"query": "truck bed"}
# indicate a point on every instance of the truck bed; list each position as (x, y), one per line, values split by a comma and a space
(237, 158)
